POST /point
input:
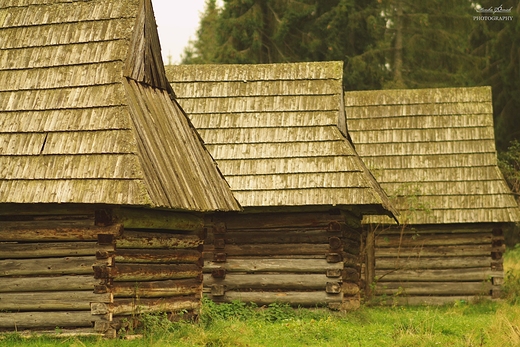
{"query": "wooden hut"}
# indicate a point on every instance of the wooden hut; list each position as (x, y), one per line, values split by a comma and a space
(279, 137)
(433, 152)
(103, 182)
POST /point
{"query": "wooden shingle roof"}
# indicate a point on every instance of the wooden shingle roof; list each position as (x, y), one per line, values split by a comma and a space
(274, 131)
(86, 114)
(434, 151)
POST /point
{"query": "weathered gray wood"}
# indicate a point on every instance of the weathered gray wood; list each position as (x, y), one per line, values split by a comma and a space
(436, 251)
(51, 301)
(434, 240)
(312, 236)
(158, 220)
(270, 281)
(305, 299)
(57, 234)
(434, 288)
(17, 320)
(425, 300)
(272, 249)
(50, 249)
(148, 272)
(274, 265)
(432, 263)
(48, 266)
(274, 220)
(439, 275)
(57, 283)
(127, 307)
(157, 256)
(136, 239)
(156, 288)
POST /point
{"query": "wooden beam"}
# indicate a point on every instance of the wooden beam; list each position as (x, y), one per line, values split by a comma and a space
(281, 220)
(156, 288)
(432, 263)
(270, 281)
(127, 307)
(424, 300)
(436, 251)
(148, 272)
(273, 265)
(434, 288)
(51, 301)
(157, 256)
(305, 299)
(56, 283)
(439, 275)
(49, 249)
(52, 233)
(139, 218)
(48, 266)
(310, 236)
(33, 320)
(272, 249)
(433, 240)
(135, 239)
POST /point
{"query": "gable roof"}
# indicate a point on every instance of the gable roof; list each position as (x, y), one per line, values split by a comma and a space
(274, 131)
(86, 114)
(434, 150)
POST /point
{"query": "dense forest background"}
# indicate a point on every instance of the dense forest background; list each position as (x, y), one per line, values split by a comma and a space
(384, 44)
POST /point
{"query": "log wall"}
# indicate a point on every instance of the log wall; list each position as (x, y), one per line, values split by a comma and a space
(435, 264)
(99, 270)
(303, 259)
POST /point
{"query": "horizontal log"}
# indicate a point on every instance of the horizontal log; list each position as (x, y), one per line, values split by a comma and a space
(304, 299)
(148, 272)
(210, 256)
(63, 233)
(311, 236)
(34, 320)
(441, 275)
(433, 240)
(436, 251)
(424, 300)
(127, 307)
(138, 239)
(272, 249)
(269, 281)
(51, 301)
(157, 256)
(432, 263)
(469, 228)
(49, 249)
(138, 218)
(253, 265)
(48, 266)
(57, 283)
(156, 288)
(434, 288)
(273, 220)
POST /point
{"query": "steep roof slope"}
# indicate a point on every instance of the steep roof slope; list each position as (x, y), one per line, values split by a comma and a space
(274, 131)
(434, 150)
(86, 114)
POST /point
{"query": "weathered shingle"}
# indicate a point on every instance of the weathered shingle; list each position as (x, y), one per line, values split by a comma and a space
(86, 114)
(433, 151)
(275, 131)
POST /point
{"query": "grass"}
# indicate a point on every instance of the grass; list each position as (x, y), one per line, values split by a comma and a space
(461, 324)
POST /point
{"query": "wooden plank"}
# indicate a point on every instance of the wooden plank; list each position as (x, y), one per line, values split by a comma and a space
(304, 299)
(269, 281)
(57, 283)
(158, 220)
(272, 249)
(148, 272)
(157, 256)
(434, 288)
(433, 240)
(439, 275)
(281, 220)
(56, 234)
(472, 228)
(156, 288)
(311, 236)
(16, 320)
(432, 263)
(51, 301)
(127, 307)
(49, 249)
(253, 265)
(48, 266)
(136, 239)
(436, 251)
(425, 300)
